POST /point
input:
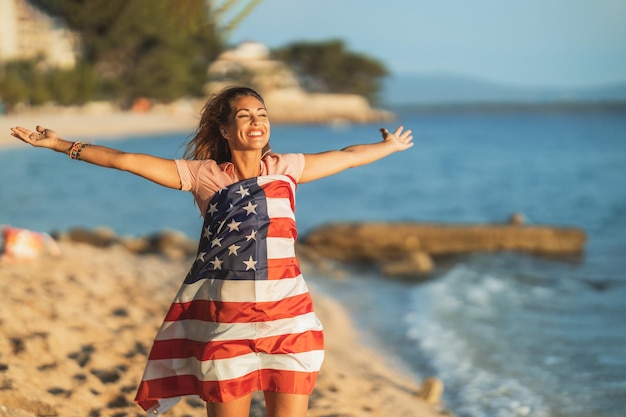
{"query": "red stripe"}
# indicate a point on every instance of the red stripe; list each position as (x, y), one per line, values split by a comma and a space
(221, 391)
(278, 189)
(282, 268)
(245, 312)
(282, 344)
(291, 343)
(282, 227)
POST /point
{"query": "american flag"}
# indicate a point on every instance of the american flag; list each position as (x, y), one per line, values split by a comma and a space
(243, 319)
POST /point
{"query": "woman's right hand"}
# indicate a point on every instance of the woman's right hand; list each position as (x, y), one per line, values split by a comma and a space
(41, 137)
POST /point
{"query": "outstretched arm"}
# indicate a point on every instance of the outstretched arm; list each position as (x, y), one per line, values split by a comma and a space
(323, 164)
(159, 170)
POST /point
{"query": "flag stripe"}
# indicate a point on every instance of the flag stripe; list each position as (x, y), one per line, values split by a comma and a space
(231, 368)
(222, 391)
(282, 227)
(278, 189)
(280, 248)
(208, 331)
(247, 312)
(242, 291)
(282, 344)
(278, 208)
(279, 269)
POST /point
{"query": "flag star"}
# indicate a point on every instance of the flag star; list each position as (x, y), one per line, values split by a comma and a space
(233, 225)
(251, 236)
(219, 229)
(212, 209)
(250, 264)
(231, 208)
(201, 256)
(207, 232)
(243, 191)
(217, 263)
(250, 208)
(216, 242)
(232, 249)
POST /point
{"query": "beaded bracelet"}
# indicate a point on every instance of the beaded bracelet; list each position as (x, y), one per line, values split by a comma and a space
(76, 149)
(73, 149)
(82, 146)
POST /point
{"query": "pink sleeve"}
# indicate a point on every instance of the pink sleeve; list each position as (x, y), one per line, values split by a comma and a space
(203, 178)
(291, 164)
(188, 173)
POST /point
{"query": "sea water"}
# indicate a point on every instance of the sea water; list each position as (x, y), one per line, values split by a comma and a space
(510, 334)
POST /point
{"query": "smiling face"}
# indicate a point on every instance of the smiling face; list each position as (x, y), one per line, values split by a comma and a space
(248, 127)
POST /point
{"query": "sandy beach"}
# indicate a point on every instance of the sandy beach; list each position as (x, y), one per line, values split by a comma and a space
(75, 329)
(93, 127)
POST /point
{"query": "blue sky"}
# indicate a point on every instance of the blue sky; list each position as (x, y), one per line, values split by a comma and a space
(518, 42)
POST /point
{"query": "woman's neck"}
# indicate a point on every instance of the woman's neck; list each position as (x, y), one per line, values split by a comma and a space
(247, 164)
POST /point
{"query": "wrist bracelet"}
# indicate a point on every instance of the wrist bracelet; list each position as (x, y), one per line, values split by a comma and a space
(76, 149)
(72, 152)
(82, 146)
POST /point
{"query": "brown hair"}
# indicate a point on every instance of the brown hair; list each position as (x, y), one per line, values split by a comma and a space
(208, 142)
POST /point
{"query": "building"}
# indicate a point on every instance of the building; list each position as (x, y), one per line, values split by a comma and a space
(28, 33)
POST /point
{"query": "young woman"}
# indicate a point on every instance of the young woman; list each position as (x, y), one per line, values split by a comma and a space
(243, 319)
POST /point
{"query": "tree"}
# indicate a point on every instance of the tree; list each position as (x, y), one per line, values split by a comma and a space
(329, 67)
(13, 88)
(24, 82)
(78, 85)
(143, 48)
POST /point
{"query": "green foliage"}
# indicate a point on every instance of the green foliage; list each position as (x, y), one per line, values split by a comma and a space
(13, 88)
(329, 67)
(76, 86)
(25, 82)
(142, 48)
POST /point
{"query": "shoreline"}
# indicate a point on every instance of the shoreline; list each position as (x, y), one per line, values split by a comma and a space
(78, 327)
(103, 126)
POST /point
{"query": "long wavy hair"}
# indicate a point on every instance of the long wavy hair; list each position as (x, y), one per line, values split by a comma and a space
(208, 142)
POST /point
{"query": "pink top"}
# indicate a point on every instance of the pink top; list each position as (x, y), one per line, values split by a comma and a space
(205, 177)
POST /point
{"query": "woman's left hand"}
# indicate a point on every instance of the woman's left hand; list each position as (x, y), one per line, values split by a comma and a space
(400, 138)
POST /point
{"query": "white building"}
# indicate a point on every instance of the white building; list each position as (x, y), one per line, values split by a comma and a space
(27, 33)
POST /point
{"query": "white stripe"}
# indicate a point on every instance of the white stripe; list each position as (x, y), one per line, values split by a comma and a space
(279, 208)
(231, 368)
(205, 331)
(266, 179)
(280, 248)
(242, 291)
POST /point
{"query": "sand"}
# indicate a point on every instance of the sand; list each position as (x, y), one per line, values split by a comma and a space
(75, 329)
(98, 127)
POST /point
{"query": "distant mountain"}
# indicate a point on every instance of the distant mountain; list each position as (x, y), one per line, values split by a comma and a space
(439, 89)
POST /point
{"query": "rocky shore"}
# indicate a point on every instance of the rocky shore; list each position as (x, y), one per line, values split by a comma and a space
(402, 249)
(409, 249)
